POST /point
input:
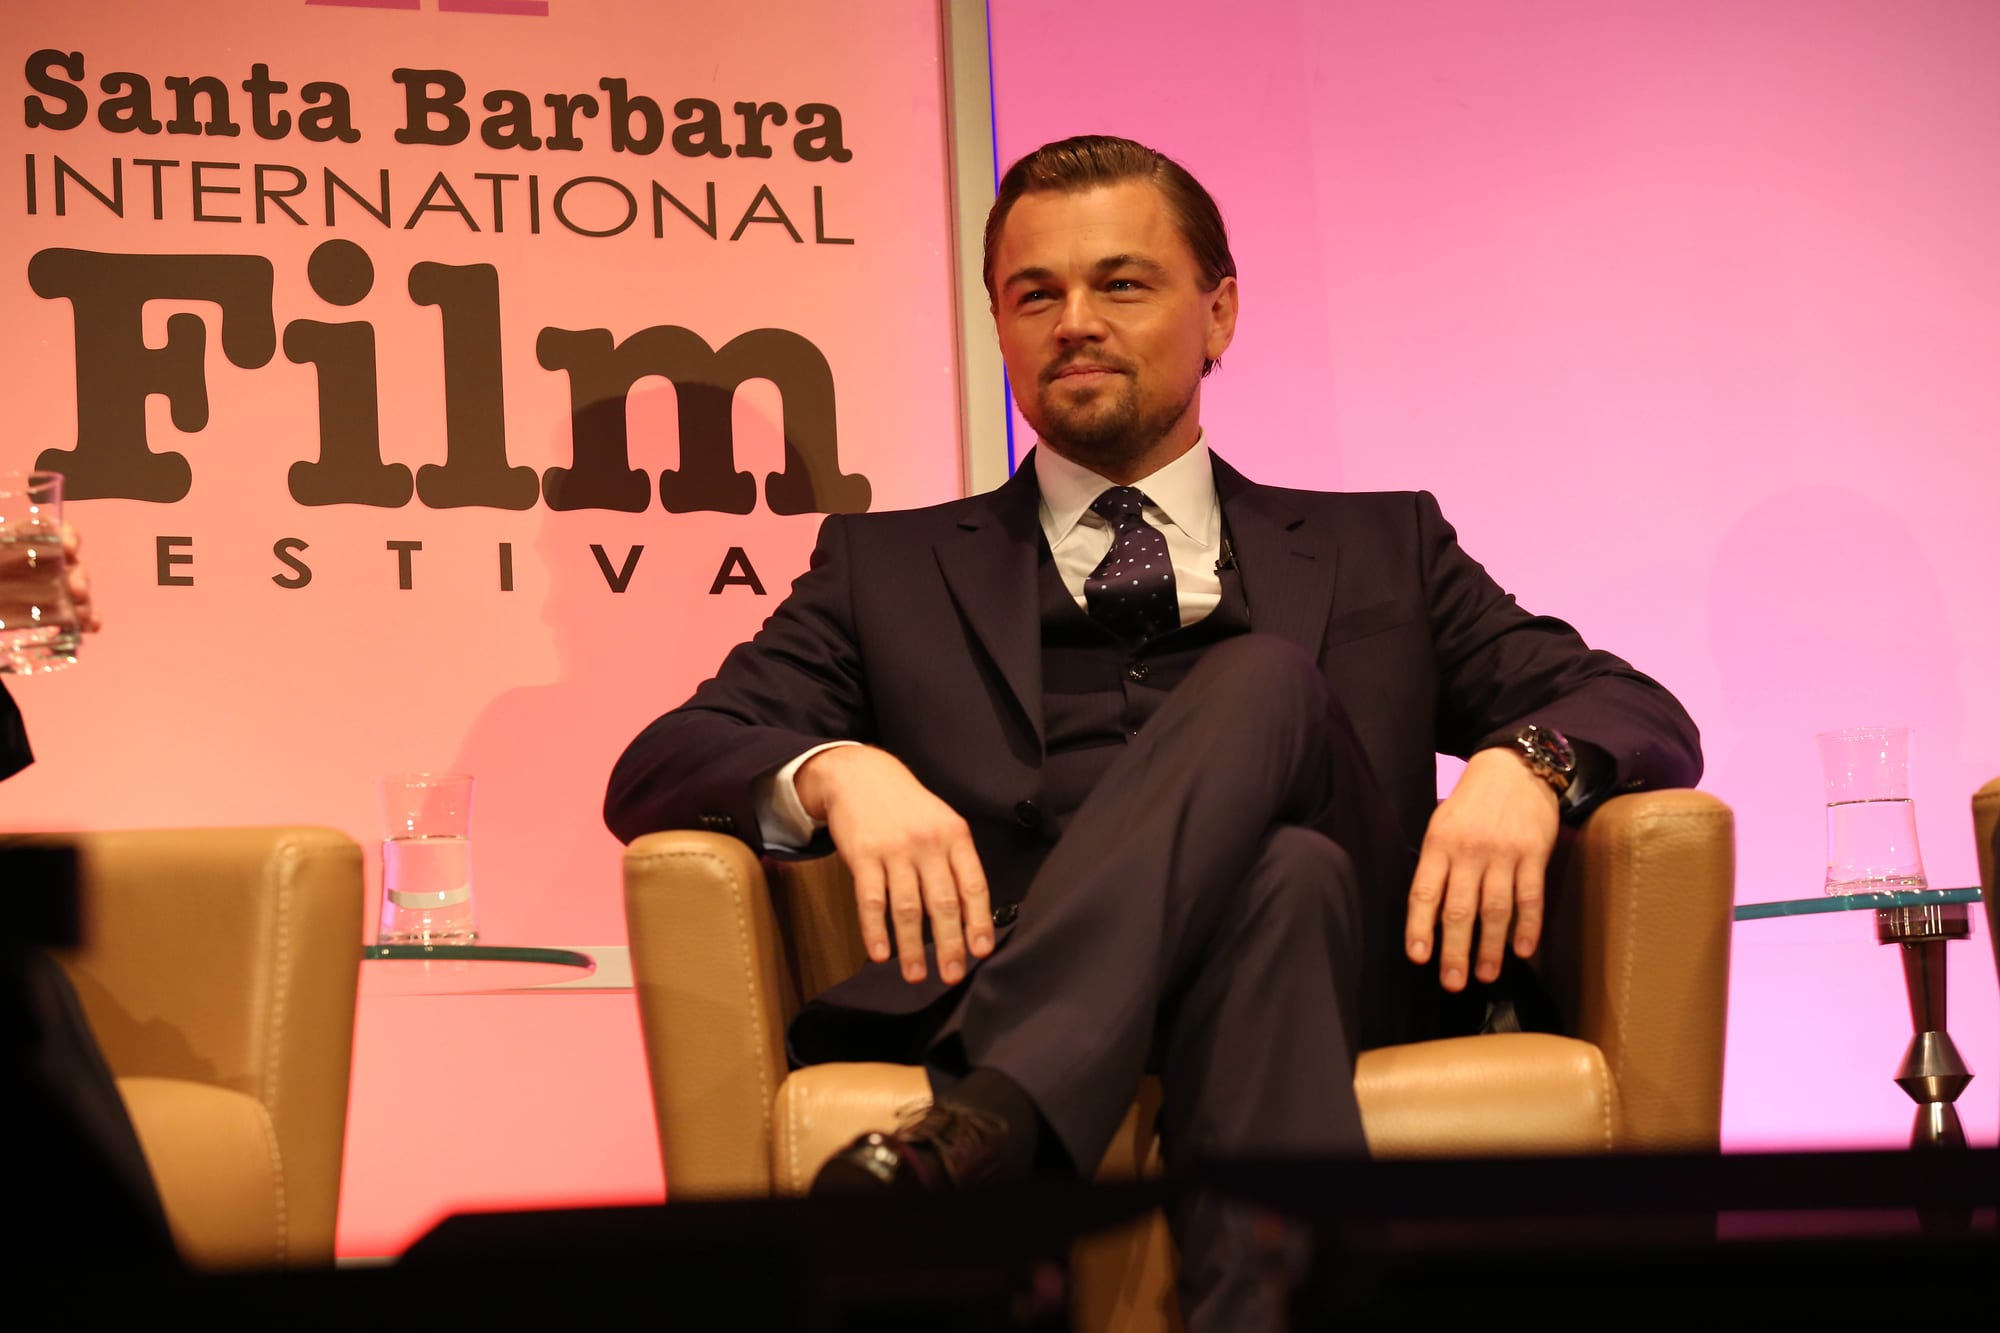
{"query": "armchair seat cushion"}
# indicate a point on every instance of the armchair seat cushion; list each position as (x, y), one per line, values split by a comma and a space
(214, 1157)
(1499, 1095)
(822, 1108)
(1505, 1094)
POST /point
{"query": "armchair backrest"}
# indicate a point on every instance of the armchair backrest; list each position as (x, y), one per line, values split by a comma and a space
(814, 902)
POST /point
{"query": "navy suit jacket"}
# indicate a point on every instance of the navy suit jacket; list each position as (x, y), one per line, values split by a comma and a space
(14, 752)
(919, 631)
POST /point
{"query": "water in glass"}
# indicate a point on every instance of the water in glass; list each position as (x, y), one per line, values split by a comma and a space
(1871, 847)
(427, 891)
(38, 625)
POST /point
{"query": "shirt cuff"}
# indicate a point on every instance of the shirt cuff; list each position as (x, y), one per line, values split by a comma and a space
(782, 821)
(1590, 784)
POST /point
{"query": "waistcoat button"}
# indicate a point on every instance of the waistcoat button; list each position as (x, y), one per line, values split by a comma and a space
(1138, 671)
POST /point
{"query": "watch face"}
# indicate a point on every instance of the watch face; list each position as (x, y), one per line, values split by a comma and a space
(1548, 751)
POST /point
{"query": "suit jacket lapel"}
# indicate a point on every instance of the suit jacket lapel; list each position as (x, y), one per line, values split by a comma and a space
(1287, 567)
(990, 566)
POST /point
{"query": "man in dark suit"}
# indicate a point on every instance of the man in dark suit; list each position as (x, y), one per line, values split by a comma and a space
(1147, 749)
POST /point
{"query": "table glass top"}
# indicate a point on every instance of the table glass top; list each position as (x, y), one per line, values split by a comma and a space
(468, 969)
(474, 953)
(1853, 902)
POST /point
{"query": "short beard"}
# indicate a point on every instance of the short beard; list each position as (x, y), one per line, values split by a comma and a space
(1113, 437)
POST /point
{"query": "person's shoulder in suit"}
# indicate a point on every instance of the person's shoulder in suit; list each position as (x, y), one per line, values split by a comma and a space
(1013, 505)
(939, 517)
(1353, 518)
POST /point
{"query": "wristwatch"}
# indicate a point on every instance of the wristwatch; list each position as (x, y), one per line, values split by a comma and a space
(1548, 755)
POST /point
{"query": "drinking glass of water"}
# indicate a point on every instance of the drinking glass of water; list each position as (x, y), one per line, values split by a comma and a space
(38, 621)
(426, 859)
(1871, 823)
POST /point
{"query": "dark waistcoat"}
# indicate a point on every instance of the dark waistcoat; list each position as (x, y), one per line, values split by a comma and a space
(1098, 689)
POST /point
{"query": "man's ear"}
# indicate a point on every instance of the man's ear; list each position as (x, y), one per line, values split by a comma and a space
(1221, 319)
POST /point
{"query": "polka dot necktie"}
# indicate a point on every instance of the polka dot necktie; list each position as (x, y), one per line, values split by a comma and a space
(1131, 592)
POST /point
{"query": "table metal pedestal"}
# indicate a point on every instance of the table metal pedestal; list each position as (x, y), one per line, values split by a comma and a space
(1932, 1072)
(1923, 922)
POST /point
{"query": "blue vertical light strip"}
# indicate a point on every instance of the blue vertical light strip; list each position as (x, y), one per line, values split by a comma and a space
(993, 120)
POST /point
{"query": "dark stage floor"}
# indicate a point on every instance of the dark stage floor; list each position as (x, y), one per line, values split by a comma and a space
(1636, 1241)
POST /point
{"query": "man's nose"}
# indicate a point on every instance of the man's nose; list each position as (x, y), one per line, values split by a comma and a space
(1080, 320)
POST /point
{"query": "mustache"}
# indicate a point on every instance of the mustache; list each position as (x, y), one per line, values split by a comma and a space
(1054, 370)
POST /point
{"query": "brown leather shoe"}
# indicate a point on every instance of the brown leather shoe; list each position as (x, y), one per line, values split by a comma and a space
(944, 1148)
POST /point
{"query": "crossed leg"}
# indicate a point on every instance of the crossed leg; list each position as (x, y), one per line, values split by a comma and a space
(1196, 919)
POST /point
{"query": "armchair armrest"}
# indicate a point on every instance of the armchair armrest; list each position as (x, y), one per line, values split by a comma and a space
(715, 988)
(1637, 952)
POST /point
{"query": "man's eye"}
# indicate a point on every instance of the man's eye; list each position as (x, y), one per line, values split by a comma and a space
(1122, 285)
(1029, 298)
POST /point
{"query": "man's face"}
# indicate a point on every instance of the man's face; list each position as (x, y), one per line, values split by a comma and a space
(1104, 325)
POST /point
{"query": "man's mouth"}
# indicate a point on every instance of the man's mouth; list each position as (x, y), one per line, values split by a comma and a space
(1081, 370)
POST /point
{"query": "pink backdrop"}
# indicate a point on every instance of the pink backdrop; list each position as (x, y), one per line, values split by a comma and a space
(1690, 315)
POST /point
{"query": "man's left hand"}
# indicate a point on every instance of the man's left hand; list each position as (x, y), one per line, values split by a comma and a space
(1484, 857)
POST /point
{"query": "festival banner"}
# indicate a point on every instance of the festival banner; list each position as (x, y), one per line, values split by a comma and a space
(446, 385)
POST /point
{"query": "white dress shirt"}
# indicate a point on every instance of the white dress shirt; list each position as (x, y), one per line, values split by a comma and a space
(1180, 502)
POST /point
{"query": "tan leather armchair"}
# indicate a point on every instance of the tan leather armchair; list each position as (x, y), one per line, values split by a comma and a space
(1986, 835)
(218, 974)
(1637, 952)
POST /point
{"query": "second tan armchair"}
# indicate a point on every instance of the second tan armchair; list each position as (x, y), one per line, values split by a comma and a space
(218, 975)
(1986, 835)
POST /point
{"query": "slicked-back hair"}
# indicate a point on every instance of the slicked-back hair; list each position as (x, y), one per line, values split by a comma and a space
(1070, 166)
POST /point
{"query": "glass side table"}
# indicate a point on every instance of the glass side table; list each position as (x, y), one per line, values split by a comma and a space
(487, 969)
(1932, 1072)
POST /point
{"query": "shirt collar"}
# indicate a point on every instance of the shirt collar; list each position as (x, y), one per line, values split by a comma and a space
(1183, 491)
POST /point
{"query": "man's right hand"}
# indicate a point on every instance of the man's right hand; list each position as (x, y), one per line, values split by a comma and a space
(911, 855)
